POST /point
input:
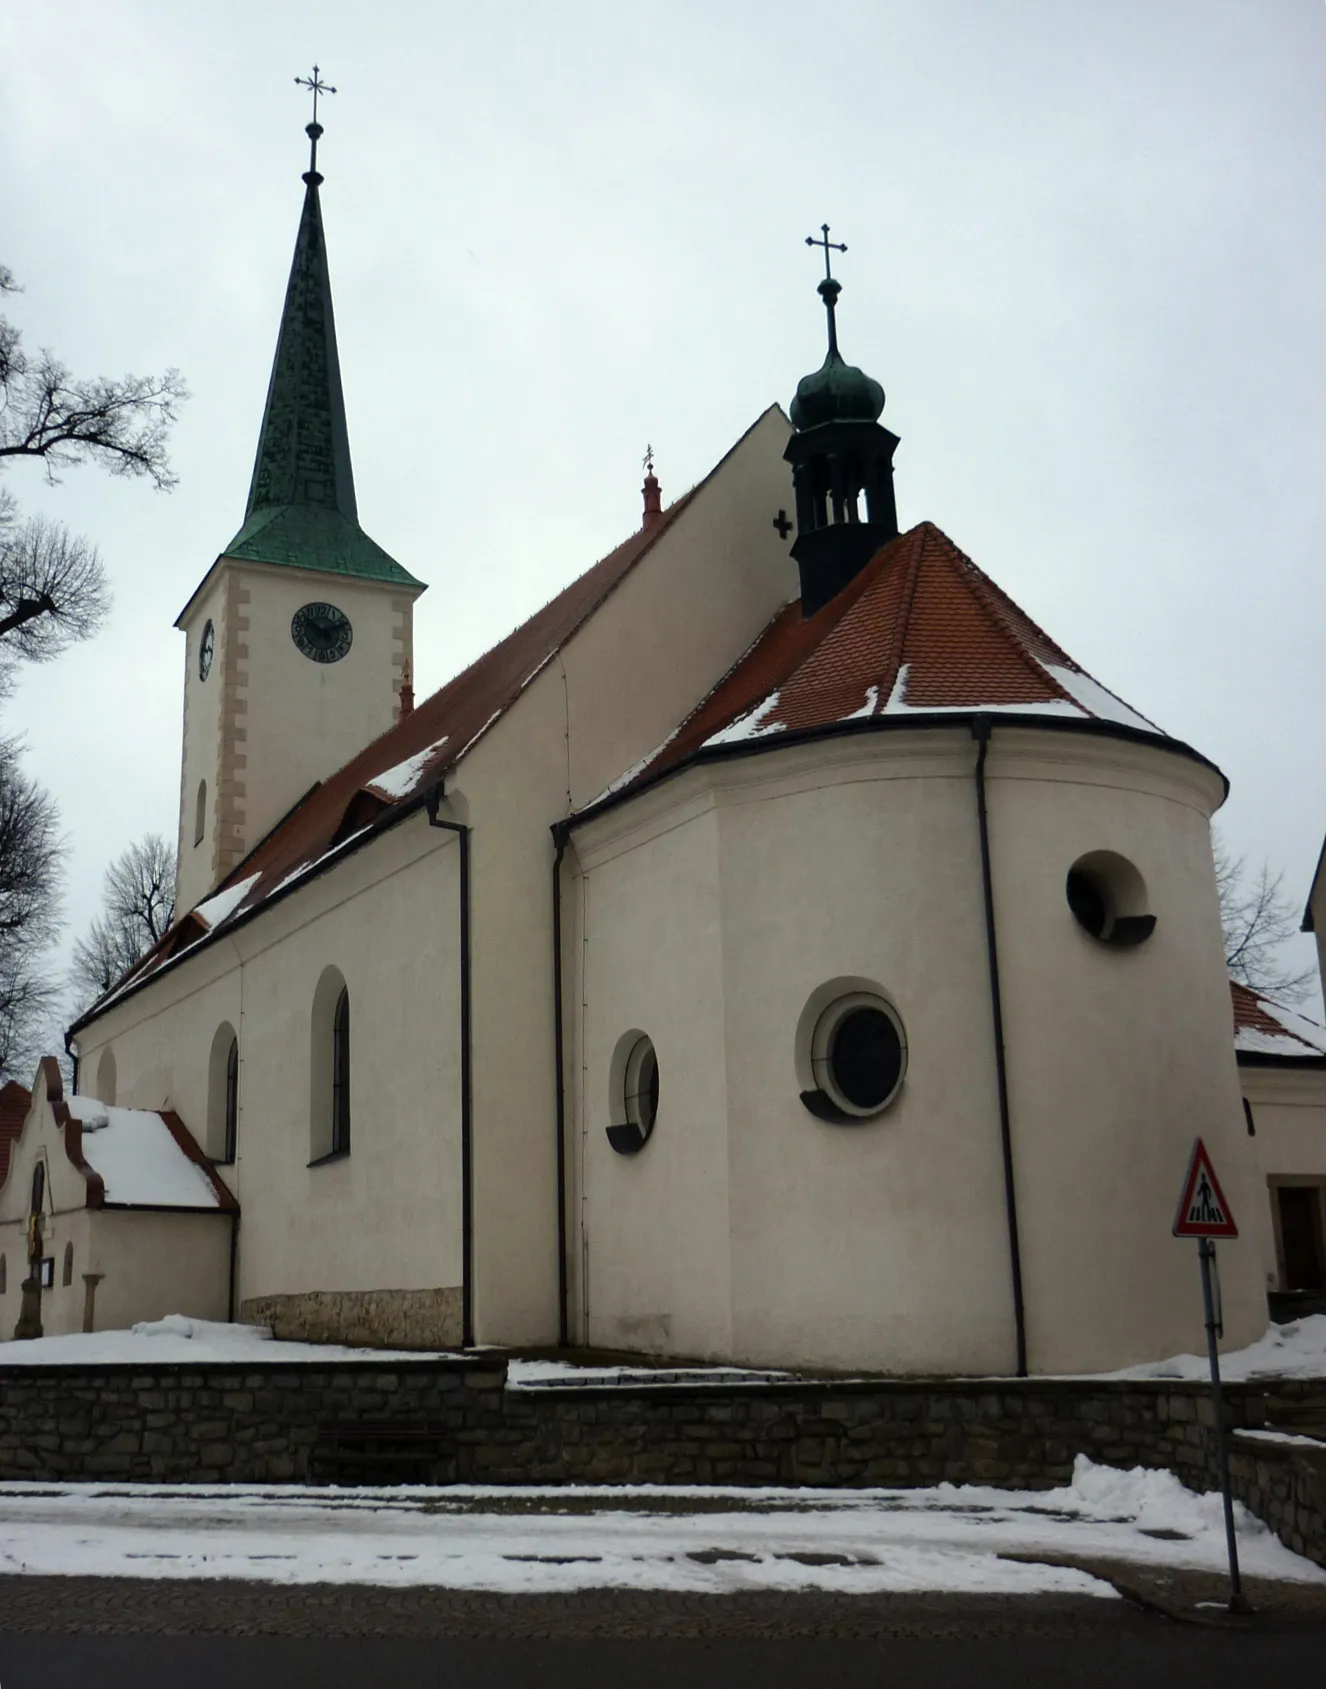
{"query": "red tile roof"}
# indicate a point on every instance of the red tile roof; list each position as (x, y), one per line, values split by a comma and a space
(1266, 1028)
(396, 769)
(921, 629)
(15, 1101)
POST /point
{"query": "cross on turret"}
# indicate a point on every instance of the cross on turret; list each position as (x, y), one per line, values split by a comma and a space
(318, 86)
(824, 241)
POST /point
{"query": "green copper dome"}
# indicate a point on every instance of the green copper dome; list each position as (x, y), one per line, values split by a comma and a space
(837, 392)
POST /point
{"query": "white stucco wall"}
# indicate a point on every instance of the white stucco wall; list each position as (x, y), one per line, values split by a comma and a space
(1289, 1114)
(388, 1215)
(885, 1245)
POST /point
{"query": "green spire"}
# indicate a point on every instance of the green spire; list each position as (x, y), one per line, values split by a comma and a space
(301, 509)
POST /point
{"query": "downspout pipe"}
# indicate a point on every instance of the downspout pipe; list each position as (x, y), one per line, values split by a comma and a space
(462, 833)
(559, 1090)
(981, 733)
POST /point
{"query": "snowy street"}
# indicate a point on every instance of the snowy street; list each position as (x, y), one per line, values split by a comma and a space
(540, 1541)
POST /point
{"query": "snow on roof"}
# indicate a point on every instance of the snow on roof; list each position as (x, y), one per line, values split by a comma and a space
(222, 905)
(139, 1159)
(1266, 1028)
(400, 780)
(921, 631)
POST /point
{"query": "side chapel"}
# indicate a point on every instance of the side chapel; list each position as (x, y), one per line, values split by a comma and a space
(777, 950)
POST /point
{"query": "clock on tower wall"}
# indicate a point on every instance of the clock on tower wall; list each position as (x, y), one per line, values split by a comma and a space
(322, 632)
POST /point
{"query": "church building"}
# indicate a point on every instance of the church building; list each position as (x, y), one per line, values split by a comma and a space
(777, 950)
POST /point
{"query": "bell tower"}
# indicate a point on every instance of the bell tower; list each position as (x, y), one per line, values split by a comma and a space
(842, 464)
(300, 634)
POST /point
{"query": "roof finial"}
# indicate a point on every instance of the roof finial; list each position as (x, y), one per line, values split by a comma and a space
(314, 130)
(407, 692)
(828, 289)
(653, 496)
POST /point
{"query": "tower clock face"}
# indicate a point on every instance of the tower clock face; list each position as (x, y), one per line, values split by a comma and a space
(206, 650)
(322, 632)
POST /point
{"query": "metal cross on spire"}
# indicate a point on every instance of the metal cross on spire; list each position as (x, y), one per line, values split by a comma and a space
(314, 129)
(318, 86)
(828, 289)
(824, 241)
(649, 460)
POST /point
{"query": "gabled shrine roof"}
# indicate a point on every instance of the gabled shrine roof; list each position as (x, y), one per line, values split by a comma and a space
(1263, 1028)
(921, 631)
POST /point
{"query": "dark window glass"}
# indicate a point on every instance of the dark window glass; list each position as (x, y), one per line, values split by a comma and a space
(866, 1057)
(341, 1075)
(232, 1097)
(67, 1276)
(38, 1187)
(1300, 1237)
(1086, 901)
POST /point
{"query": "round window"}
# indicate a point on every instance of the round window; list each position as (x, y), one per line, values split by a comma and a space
(639, 1099)
(1108, 899)
(858, 1057)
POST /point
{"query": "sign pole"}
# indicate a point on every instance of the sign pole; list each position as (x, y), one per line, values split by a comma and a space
(1238, 1602)
(1204, 1214)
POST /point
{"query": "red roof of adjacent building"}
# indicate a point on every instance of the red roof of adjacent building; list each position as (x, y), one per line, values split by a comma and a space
(1266, 1028)
(15, 1101)
(921, 630)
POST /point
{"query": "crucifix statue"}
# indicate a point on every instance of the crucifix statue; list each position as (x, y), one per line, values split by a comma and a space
(29, 1314)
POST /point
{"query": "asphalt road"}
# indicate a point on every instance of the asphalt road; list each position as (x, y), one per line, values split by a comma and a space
(1164, 1656)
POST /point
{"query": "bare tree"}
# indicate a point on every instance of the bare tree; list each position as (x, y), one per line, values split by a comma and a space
(139, 907)
(53, 592)
(30, 863)
(1258, 920)
(45, 413)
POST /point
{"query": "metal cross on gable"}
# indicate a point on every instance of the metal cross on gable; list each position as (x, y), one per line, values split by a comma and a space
(318, 86)
(828, 245)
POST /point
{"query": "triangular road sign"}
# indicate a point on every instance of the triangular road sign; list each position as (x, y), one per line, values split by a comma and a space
(1203, 1211)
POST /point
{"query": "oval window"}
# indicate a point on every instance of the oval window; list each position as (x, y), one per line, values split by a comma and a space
(638, 1101)
(1108, 899)
(858, 1057)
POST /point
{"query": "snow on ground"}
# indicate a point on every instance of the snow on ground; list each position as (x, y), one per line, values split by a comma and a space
(555, 1539)
(526, 1374)
(1297, 1350)
(179, 1338)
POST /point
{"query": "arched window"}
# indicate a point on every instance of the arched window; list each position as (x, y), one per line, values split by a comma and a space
(106, 1078)
(200, 813)
(38, 1188)
(67, 1276)
(223, 1094)
(329, 1077)
(341, 1075)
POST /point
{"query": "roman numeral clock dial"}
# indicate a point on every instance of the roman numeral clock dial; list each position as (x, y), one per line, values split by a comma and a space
(322, 632)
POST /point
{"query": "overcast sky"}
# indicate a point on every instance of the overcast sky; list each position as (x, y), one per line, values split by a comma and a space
(1087, 244)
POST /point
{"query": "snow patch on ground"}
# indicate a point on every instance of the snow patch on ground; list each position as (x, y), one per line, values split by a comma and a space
(180, 1338)
(550, 1539)
(1286, 1351)
(530, 1374)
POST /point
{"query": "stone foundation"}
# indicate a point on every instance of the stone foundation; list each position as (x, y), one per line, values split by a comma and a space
(450, 1419)
(384, 1319)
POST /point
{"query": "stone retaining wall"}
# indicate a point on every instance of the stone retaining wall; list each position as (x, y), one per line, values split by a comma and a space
(452, 1420)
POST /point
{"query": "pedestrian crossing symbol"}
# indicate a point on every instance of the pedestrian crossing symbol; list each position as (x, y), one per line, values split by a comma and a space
(1203, 1211)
